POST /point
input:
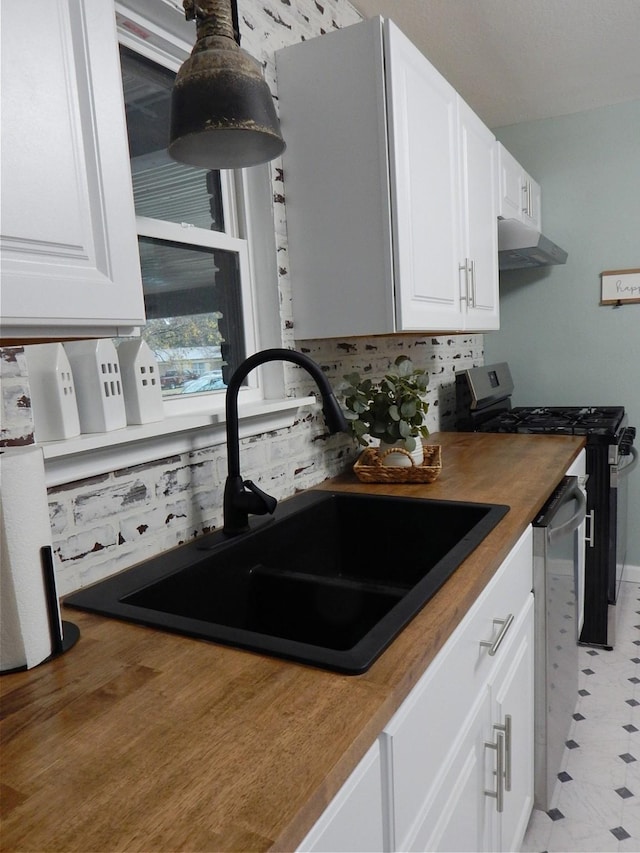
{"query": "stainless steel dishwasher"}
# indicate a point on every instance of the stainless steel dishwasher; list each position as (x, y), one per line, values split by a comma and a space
(558, 586)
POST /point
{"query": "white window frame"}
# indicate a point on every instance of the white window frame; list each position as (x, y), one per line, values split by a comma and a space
(174, 232)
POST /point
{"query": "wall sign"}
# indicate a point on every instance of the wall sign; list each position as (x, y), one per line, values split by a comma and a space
(620, 287)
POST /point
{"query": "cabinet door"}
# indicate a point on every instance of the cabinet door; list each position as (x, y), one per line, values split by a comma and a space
(510, 177)
(69, 250)
(457, 818)
(424, 168)
(353, 820)
(420, 741)
(479, 228)
(512, 700)
(519, 196)
(331, 92)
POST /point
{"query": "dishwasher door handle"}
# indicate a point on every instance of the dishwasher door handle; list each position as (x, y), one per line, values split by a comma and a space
(555, 533)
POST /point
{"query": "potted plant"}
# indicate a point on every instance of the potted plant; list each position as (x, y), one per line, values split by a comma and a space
(392, 410)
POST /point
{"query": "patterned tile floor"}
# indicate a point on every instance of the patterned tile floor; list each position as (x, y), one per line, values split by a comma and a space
(596, 802)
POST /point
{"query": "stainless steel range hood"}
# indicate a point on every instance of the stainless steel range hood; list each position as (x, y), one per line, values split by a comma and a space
(523, 247)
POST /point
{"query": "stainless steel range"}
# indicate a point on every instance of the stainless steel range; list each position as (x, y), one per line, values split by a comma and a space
(484, 405)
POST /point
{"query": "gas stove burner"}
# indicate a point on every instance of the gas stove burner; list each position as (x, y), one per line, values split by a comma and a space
(483, 399)
(571, 420)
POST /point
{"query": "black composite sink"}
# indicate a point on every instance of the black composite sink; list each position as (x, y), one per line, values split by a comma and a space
(330, 580)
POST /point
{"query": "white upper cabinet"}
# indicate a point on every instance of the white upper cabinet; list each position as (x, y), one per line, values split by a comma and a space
(479, 232)
(519, 196)
(389, 187)
(423, 162)
(70, 263)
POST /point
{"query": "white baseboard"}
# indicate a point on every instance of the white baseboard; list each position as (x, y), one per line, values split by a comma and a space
(631, 573)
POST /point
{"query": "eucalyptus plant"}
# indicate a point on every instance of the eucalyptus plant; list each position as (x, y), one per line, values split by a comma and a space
(391, 410)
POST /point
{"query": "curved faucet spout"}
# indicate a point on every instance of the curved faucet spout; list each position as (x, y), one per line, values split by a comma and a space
(242, 498)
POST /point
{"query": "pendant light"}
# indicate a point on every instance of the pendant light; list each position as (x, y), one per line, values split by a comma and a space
(222, 113)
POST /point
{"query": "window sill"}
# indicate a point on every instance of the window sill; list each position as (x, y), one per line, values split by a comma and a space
(90, 455)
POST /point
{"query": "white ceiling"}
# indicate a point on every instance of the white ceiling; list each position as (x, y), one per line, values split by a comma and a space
(519, 60)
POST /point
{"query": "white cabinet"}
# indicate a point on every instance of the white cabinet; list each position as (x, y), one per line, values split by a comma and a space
(479, 245)
(519, 196)
(453, 769)
(443, 746)
(353, 820)
(69, 249)
(390, 189)
(493, 748)
(512, 689)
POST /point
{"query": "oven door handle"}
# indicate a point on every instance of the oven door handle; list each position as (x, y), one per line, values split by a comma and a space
(625, 470)
(555, 533)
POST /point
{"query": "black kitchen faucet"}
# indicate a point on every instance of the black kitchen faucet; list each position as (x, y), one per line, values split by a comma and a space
(242, 497)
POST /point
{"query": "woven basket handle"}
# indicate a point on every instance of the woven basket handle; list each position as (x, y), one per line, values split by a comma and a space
(391, 450)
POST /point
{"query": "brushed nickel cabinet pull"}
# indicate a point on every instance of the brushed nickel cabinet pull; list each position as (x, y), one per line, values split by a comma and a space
(494, 645)
(506, 728)
(498, 794)
(465, 267)
(590, 536)
(473, 284)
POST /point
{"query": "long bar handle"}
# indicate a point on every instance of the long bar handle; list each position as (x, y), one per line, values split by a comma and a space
(473, 284)
(498, 794)
(626, 469)
(465, 267)
(528, 206)
(555, 533)
(506, 728)
(494, 645)
(590, 537)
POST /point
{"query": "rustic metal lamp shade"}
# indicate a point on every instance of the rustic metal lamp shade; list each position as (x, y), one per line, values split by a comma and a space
(222, 113)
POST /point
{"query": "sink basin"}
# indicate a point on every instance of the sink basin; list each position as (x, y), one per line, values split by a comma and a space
(330, 580)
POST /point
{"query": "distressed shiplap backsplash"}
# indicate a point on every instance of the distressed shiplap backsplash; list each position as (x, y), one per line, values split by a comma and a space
(108, 523)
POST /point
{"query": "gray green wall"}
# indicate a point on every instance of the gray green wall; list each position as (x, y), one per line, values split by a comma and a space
(562, 346)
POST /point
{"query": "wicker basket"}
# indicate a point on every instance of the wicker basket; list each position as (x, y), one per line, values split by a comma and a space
(370, 467)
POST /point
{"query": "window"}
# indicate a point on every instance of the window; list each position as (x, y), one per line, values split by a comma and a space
(195, 267)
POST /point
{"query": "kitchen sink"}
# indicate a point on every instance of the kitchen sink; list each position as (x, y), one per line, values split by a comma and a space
(329, 580)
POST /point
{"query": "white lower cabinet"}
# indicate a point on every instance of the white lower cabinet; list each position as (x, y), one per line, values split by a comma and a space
(443, 748)
(511, 690)
(353, 821)
(456, 760)
(470, 806)
(455, 812)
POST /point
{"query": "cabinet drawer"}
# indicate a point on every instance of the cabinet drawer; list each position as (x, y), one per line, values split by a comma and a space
(418, 738)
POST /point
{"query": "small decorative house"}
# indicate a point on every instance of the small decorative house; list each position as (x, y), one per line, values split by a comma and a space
(141, 382)
(96, 373)
(53, 393)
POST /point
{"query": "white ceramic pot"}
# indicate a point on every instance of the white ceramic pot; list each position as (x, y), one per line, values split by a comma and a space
(397, 456)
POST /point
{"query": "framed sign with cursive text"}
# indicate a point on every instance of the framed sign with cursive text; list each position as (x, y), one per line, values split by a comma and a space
(620, 287)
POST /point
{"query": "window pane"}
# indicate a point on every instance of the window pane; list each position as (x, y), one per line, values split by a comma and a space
(162, 188)
(193, 305)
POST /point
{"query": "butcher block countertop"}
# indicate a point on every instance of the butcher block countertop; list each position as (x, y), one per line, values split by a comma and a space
(141, 740)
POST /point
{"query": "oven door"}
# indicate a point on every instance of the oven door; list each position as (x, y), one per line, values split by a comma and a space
(558, 582)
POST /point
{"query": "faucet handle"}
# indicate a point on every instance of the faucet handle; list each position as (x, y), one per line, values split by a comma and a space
(268, 502)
